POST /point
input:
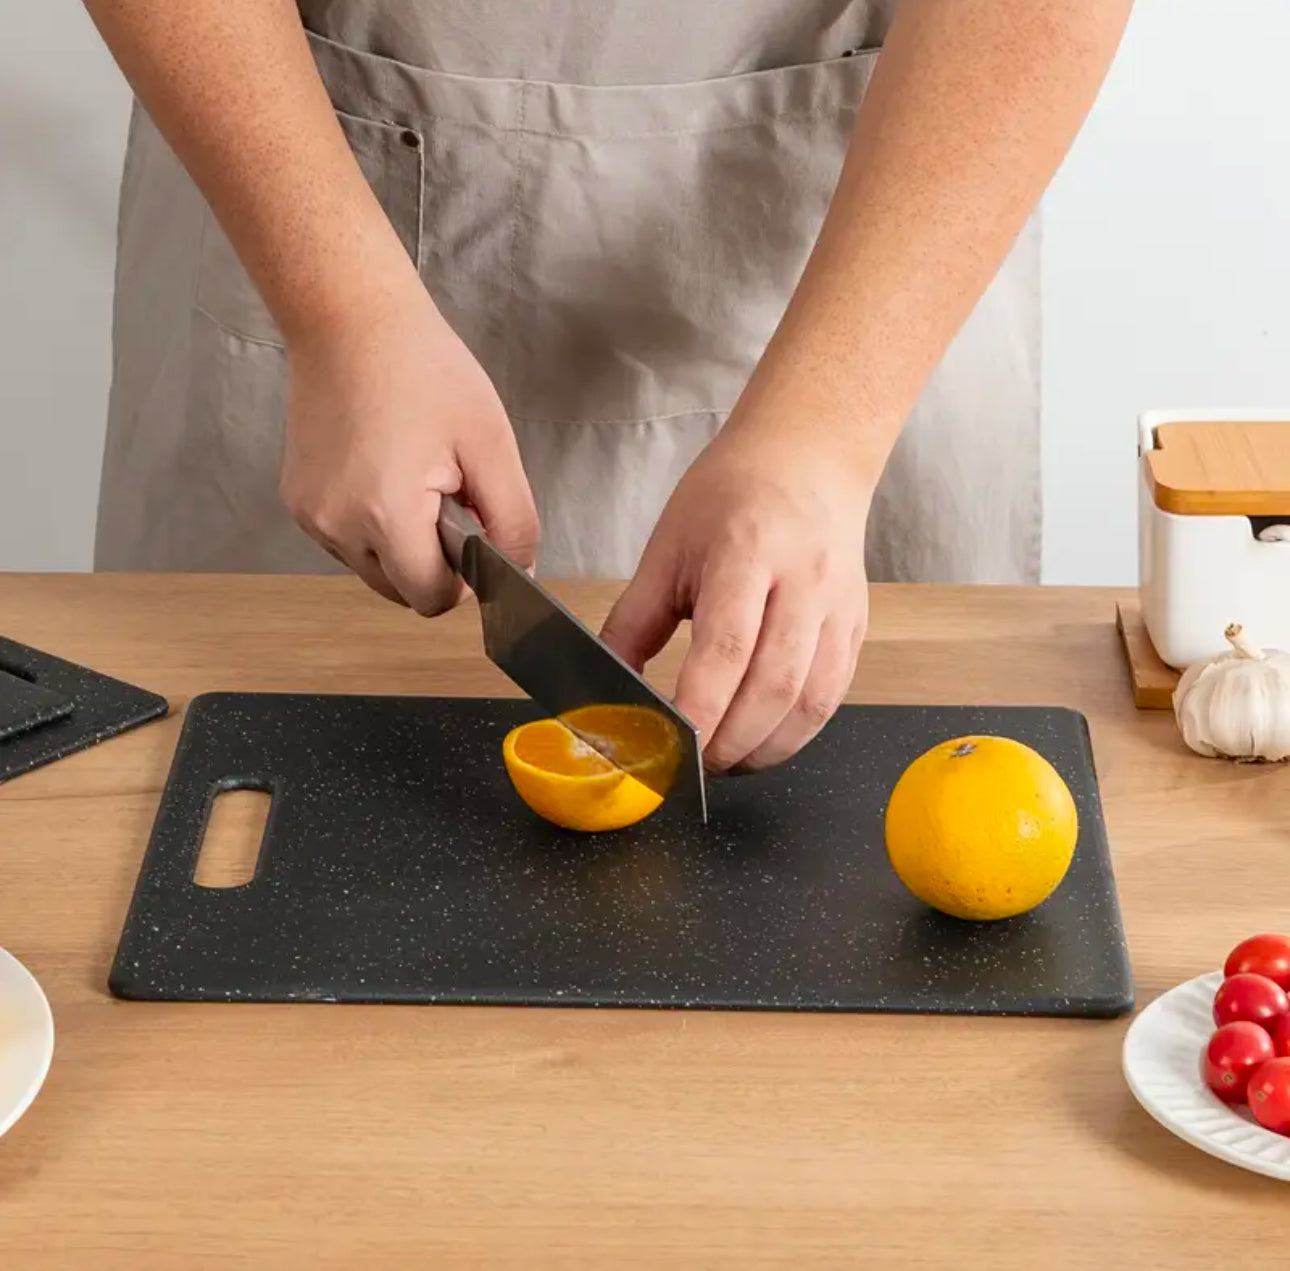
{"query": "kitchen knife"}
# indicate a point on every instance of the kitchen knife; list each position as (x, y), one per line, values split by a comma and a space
(558, 661)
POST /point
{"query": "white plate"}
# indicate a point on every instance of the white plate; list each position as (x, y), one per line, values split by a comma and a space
(26, 1039)
(1162, 1057)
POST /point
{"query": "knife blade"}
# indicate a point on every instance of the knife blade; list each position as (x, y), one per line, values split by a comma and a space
(557, 660)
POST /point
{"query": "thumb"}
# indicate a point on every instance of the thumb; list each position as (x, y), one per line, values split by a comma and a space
(496, 487)
(645, 616)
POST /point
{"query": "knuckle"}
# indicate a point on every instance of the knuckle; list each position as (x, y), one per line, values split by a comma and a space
(720, 759)
(783, 685)
(818, 567)
(321, 522)
(728, 647)
(326, 523)
(297, 503)
(519, 538)
(429, 590)
(322, 519)
(443, 595)
(744, 533)
(733, 561)
(815, 709)
(370, 514)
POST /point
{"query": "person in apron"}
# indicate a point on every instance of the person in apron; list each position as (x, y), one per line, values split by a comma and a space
(643, 305)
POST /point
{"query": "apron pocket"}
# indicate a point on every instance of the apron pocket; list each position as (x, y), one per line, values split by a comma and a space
(391, 157)
(661, 232)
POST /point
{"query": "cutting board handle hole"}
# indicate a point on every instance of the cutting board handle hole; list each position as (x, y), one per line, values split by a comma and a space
(234, 835)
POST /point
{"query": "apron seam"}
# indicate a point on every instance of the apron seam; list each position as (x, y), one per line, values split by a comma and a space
(796, 117)
(196, 285)
(626, 420)
(342, 48)
(516, 205)
(521, 130)
(259, 340)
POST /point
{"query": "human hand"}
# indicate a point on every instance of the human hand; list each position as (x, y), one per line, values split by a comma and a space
(762, 546)
(384, 419)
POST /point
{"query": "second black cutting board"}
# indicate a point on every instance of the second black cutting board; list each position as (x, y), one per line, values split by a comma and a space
(399, 866)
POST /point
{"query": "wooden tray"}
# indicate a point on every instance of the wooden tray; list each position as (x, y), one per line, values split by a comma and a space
(1153, 680)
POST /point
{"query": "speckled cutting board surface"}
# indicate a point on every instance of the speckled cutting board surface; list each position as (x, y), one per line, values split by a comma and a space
(399, 866)
(24, 706)
(51, 708)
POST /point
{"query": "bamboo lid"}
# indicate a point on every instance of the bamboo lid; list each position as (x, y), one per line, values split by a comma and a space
(1221, 469)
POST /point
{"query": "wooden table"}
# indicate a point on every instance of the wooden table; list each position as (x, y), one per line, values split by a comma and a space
(192, 1136)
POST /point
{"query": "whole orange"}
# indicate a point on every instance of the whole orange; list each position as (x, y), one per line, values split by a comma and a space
(981, 827)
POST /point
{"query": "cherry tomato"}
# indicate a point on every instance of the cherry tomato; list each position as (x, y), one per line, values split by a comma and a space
(1233, 1053)
(1249, 996)
(1267, 954)
(1268, 1094)
(1279, 1031)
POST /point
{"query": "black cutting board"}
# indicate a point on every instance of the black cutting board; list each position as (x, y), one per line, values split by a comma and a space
(399, 866)
(51, 708)
(25, 705)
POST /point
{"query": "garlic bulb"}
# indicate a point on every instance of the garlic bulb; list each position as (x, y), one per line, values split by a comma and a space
(1237, 705)
(1275, 534)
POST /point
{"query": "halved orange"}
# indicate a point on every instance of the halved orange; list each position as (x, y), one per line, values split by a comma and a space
(566, 781)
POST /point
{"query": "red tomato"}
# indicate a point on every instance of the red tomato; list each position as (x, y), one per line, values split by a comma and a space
(1268, 1095)
(1267, 954)
(1249, 996)
(1233, 1053)
(1279, 1031)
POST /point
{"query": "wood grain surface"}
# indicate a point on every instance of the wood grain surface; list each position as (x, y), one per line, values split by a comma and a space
(223, 1136)
(1223, 468)
(1153, 679)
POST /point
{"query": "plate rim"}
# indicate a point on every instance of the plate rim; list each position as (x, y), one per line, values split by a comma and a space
(1206, 980)
(10, 1118)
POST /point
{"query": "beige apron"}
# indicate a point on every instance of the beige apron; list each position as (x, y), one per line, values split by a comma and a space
(611, 203)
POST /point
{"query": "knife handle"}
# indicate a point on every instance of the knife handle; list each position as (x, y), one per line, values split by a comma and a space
(456, 525)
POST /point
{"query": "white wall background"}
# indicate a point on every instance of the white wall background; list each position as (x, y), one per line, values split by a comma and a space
(1167, 260)
(63, 110)
(1167, 267)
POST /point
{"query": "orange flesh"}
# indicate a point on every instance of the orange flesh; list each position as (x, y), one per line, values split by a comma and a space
(630, 735)
(566, 781)
(549, 746)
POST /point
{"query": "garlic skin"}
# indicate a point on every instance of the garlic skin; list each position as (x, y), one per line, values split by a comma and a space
(1237, 705)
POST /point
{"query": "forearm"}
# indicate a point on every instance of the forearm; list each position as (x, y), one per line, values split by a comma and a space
(971, 109)
(233, 88)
